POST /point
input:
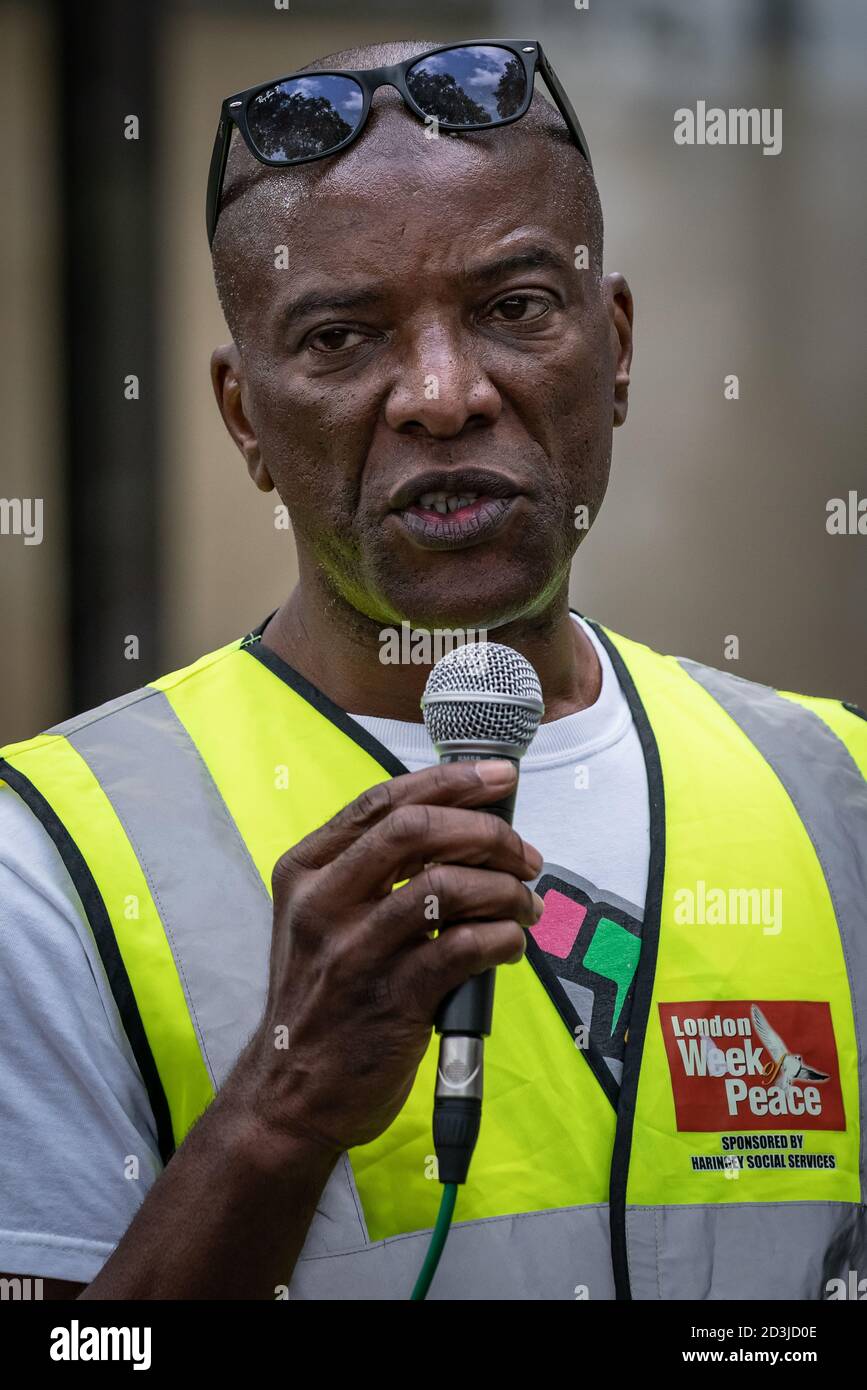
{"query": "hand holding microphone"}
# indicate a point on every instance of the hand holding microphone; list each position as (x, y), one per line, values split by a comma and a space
(355, 979)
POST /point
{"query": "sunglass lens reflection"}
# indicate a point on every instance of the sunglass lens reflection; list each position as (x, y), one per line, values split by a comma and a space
(304, 116)
(476, 85)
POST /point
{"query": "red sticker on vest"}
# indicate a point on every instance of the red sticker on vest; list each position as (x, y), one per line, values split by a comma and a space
(753, 1064)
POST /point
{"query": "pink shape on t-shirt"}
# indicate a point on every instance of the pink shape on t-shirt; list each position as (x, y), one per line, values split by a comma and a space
(559, 924)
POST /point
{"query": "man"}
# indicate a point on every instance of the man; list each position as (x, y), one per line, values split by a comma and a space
(677, 1066)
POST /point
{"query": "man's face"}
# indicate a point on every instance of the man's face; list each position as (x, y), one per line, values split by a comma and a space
(431, 384)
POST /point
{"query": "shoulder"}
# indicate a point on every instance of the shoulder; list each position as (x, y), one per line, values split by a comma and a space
(788, 718)
(111, 715)
(776, 719)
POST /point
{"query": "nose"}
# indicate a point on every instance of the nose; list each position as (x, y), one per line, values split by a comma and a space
(440, 387)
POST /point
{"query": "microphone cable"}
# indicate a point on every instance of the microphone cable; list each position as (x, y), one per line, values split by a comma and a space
(437, 1242)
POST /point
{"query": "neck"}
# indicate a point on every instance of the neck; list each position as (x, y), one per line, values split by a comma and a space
(338, 650)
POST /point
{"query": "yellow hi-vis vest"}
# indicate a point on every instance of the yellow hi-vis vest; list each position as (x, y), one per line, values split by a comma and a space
(733, 1165)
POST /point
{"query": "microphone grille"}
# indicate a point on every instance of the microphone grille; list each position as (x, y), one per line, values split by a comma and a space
(483, 692)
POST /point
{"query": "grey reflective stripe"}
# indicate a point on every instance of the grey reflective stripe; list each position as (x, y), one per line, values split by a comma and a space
(774, 1250)
(80, 721)
(212, 902)
(830, 795)
(561, 1254)
(758, 1250)
(338, 1224)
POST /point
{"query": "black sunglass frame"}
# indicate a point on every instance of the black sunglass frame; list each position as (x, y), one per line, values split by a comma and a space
(234, 109)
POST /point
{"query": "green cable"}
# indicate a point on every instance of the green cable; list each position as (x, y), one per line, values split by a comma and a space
(437, 1241)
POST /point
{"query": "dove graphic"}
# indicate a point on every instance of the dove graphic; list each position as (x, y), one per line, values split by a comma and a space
(715, 1058)
(784, 1066)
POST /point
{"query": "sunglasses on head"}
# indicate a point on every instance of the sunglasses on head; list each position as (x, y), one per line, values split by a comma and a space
(308, 115)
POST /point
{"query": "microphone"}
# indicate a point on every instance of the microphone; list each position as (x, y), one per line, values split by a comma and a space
(482, 700)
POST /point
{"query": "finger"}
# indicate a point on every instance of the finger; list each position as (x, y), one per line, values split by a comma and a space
(434, 968)
(452, 784)
(402, 844)
(439, 895)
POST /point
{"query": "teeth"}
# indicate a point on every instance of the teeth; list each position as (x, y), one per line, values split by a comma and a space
(444, 502)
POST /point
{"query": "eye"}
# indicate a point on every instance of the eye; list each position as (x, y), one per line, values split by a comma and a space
(514, 308)
(335, 339)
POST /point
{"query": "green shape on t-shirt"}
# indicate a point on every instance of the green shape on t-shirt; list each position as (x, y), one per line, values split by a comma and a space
(614, 953)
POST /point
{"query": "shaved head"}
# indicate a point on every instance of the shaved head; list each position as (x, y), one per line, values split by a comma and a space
(258, 201)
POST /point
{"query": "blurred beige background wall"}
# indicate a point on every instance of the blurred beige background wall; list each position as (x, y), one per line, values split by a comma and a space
(32, 606)
(740, 263)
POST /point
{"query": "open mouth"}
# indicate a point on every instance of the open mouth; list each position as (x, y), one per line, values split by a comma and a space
(446, 504)
(456, 514)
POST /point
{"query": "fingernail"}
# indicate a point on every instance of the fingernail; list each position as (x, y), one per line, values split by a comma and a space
(497, 772)
(534, 858)
(539, 905)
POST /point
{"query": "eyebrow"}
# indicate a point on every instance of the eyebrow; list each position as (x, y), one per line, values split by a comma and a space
(314, 302)
(534, 258)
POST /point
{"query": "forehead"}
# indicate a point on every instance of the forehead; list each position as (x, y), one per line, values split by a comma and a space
(396, 185)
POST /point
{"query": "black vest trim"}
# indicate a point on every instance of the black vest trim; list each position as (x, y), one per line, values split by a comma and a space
(645, 974)
(853, 709)
(321, 703)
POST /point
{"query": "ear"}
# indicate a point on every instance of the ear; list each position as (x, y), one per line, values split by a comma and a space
(227, 378)
(618, 298)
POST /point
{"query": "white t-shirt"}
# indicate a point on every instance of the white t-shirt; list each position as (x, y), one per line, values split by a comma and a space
(73, 1106)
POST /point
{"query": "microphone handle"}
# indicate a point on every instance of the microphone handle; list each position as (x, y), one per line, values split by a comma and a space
(464, 1021)
(468, 1010)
